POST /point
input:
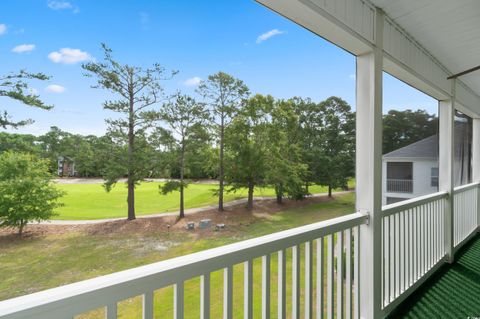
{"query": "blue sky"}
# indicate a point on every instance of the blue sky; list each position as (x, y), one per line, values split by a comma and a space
(197, 38)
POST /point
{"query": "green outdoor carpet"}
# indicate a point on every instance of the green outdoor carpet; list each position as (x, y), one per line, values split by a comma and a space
(452, 292)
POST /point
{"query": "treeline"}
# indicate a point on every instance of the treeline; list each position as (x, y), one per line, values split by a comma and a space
(88, 152)
(91, 152)
(289, 144)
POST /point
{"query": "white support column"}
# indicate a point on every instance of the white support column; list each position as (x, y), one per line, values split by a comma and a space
(476, 163)
(445, 166)
(369, 172)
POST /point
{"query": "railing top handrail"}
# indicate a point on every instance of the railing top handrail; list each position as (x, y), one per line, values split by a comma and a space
(411, 203)
(100, 291)
(400, 179)
(465, 187)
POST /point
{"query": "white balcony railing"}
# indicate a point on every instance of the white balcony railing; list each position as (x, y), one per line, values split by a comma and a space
(413, 247)
(335, 288)
(399, 185)
(412, 244)
(465, 213)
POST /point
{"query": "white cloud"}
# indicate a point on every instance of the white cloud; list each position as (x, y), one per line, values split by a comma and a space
(55, 88)
(268, 35)
(59, 5)
(23, 48)
(192, 81)
(3, 28)
(69, 56)
(62, 5)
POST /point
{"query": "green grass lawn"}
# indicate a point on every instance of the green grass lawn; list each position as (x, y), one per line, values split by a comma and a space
(91, 201)
(31, 265)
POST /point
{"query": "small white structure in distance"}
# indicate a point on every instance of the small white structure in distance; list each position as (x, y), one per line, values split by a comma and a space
(410, 171)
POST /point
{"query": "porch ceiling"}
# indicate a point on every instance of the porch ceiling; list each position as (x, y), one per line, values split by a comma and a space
(450, 30)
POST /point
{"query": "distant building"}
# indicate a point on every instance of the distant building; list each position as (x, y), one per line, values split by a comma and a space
(410, 171)
(66, 166)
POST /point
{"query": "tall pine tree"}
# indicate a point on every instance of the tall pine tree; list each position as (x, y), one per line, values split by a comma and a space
(137, 89)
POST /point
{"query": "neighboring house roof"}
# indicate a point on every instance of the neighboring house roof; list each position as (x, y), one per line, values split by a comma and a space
(426, 148)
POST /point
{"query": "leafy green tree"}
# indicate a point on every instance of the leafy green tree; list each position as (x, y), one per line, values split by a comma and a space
(311, 123)
(138, 89)
(401, 128)
(202, 158)
(224, 96)
(285, 170)
(165, 152)
(327, 137)
(15, 86)
(104, 150)
(26, 190)
(25, 143)
(182, 116)
(338, 159)
(85, 153)
(53, 146)
(247, 141)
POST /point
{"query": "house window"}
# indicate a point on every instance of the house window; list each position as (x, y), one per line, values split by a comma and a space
(434, 177)
(400, 170)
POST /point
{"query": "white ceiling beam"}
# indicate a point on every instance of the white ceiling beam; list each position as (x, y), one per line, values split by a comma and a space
(350, 25)
(326, 24)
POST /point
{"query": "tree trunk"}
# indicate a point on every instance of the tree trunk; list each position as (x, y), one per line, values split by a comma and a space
(221, 166)
(279, 194)
(20, 229)
(250, 196)
(329, 191)
(131, 145)
(306, 187)
(279, 199)
(131, 199)
(182, 209)
(182, 169)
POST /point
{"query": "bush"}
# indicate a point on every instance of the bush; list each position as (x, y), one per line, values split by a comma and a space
(26, 190)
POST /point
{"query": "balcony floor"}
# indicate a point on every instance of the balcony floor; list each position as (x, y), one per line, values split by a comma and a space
(452, 292)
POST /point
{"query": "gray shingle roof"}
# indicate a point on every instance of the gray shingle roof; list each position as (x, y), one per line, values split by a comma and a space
(426, 148)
